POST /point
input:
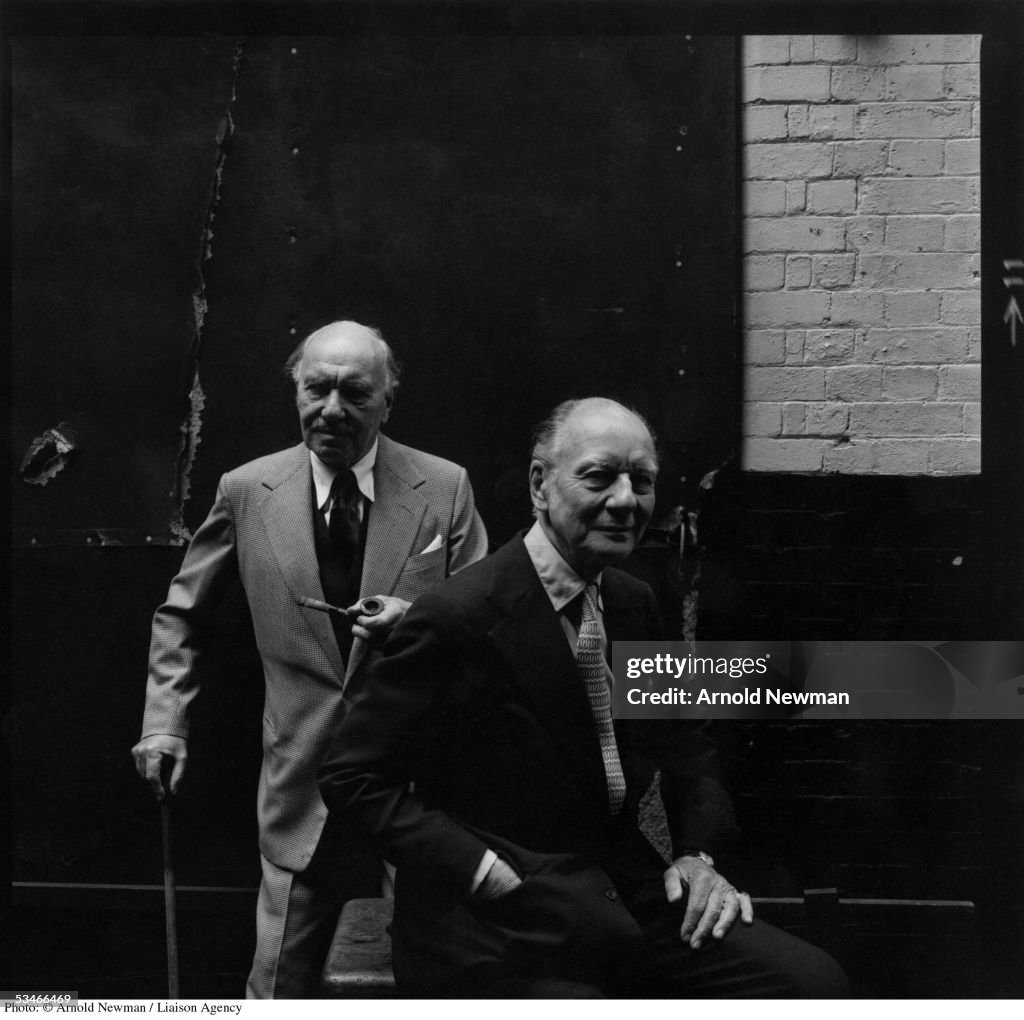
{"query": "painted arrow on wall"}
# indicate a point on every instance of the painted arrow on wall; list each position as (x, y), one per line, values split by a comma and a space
(1012, 315)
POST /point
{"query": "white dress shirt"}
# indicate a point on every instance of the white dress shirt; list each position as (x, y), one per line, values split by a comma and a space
(324, 475)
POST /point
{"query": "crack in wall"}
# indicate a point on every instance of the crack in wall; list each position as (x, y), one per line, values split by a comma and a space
(191, 426)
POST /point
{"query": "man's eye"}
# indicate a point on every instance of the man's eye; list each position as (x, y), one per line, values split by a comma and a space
(598, 479)
(642, 484)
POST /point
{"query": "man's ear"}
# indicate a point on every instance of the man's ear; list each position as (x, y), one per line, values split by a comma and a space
(538, 496)
(389, 400)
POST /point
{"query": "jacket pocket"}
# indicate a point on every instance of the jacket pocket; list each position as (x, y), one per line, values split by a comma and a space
(426, 560)
(421, 573)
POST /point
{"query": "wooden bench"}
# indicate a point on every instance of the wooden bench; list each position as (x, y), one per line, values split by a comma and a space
(359, 961)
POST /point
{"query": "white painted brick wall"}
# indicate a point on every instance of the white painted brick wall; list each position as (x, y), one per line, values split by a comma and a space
(861, 254)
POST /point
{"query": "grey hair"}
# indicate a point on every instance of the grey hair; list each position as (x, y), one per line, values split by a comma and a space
(392, 367)
(547, 436)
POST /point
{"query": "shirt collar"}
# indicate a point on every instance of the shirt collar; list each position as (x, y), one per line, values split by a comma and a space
(561, 583)
(324, 475)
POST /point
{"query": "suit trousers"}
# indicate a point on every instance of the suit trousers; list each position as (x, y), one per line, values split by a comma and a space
(757, 962)
(297, 913)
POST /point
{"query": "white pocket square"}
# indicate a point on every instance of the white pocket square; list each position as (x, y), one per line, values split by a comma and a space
(436, 544)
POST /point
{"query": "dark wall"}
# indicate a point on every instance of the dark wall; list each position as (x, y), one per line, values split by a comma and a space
(526, 218)
(113, 149)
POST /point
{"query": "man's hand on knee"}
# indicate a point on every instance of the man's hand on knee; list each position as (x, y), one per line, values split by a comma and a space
(712, 903)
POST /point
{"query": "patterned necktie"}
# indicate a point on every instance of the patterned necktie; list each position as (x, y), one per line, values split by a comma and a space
(344, 523)
(591, 667)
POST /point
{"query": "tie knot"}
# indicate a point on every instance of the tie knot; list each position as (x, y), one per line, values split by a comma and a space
(590, 602)
(344, 488)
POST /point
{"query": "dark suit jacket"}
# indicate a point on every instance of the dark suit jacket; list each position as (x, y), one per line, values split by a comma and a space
(478, 702)
(260, 531)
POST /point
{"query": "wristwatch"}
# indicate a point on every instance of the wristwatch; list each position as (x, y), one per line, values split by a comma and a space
(706, 858)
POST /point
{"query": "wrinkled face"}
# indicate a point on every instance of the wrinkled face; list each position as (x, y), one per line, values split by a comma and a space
(595, 499)
(342, 394)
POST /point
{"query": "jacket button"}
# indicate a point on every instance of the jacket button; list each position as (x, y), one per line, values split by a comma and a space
(611, 894)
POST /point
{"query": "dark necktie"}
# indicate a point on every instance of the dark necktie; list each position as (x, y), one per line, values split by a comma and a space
(591, 668)
(344, 523)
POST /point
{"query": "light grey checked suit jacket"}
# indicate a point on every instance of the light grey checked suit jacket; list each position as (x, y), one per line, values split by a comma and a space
(261, 531)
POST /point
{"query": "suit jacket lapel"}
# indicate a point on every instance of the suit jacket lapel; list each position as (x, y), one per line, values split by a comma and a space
(391, 530)
(530, 639)
(394, 519)
(623, 616)
(287, 515)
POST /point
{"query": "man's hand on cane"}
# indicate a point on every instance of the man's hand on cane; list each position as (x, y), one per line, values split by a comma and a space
(151, 752)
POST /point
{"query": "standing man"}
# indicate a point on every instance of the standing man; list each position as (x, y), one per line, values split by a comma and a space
(521, 867)
(345, 515)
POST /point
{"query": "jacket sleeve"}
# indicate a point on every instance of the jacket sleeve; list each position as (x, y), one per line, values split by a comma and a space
(467, 538)
(398, 730)
(181, 624)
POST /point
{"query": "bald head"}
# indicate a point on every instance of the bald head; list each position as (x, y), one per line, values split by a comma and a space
(350, 330)
(592, 481)
(548, 434)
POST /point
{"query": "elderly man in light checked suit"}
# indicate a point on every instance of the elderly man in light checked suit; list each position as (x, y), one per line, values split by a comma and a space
(345, 515)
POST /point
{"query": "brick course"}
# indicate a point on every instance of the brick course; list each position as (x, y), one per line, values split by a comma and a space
(862, 234)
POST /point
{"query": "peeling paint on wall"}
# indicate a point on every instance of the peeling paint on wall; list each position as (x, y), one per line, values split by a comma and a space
(191, 425)
(190, 439)
(49, 454)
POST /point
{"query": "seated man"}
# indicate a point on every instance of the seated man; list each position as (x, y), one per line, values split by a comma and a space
(484, 763)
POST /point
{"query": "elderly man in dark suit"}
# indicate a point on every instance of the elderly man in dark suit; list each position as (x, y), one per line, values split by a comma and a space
(345, 515)
(484, 762)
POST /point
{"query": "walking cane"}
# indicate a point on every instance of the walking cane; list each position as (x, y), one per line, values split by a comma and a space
(170, 905)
